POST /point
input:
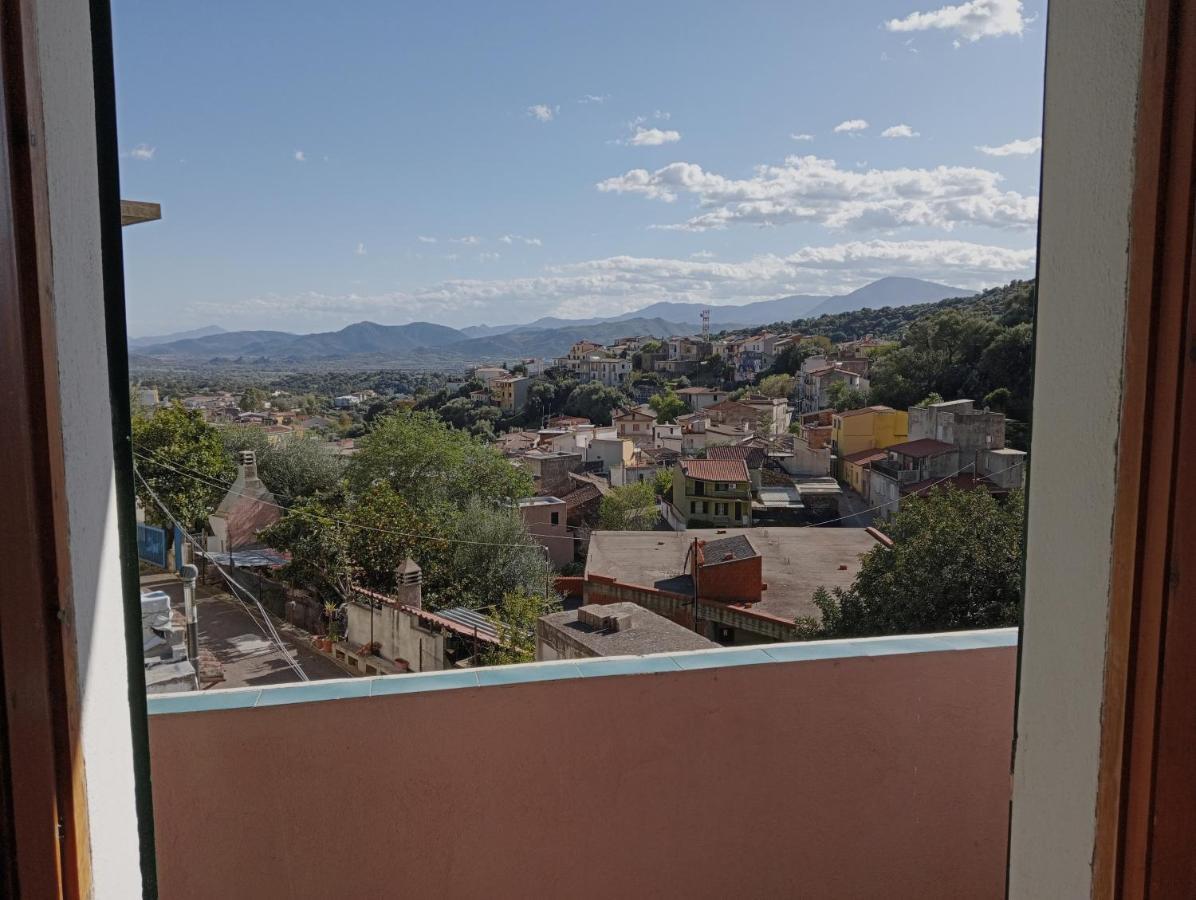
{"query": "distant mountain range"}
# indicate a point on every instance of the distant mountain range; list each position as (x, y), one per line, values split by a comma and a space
(152, 340)
(424, 344)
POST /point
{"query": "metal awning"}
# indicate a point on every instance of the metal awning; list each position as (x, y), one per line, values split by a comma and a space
(248, 559)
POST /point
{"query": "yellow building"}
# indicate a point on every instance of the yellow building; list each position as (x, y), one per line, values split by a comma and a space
(870, 428)
(856, 467)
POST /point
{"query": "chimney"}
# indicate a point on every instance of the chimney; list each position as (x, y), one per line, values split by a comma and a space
(247, 462)
(409, 579)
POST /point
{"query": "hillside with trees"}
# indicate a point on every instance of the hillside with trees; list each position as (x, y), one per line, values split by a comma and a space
(980, 347)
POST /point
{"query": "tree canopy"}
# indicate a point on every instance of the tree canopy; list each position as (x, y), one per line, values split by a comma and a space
(630, 507)
(668, 405)
(776, 385)
(183, 459)
(428, 462)
(418, 488)
(295, 468)
(956, 563)
(594, 401)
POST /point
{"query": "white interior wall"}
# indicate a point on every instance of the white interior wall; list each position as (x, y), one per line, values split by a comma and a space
(1093, 56)
(65, 60)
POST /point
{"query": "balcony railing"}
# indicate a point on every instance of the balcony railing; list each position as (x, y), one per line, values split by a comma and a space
(839, 768)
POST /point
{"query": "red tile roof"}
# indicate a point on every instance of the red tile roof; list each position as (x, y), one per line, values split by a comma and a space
(863, 457)
(922, 448)
(581, 496)
(715, 469)
(624, 412)
(752, 455)
(866, 409)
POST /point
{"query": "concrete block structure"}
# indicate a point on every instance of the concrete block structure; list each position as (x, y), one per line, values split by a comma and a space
(545, 519)
(613, 629)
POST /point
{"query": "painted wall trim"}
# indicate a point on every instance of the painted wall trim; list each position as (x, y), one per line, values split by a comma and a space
(654, 664)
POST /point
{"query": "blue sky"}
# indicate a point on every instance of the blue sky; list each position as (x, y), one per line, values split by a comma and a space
(320, 164)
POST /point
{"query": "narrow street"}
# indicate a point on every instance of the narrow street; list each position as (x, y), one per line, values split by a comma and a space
(246, 656)
(856, 508)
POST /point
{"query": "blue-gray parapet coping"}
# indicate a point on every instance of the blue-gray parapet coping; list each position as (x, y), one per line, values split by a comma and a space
(597, 667)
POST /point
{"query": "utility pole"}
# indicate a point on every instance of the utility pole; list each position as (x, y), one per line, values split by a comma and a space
(547, 574)
(694, 552)
(190, 574)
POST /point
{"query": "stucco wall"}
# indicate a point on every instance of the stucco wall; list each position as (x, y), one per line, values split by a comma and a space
(1093, 57)
(105, 745)
(398, 635)
(869, 776)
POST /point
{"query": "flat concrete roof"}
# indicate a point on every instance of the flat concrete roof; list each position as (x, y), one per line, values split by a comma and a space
(539, 501)
(648, 632)
(797, 561)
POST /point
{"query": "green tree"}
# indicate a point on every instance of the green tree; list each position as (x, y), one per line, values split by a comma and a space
(594, 401)
(955, 563)
(662, 483)
(541, 400)
(789, 360)
(319, 545)
(182, 458)
(999, 399)
(516, 616)
(295, 468)
(1008, 362)
(427, 461)
(252, 398)
(841, 397)
(631, 507)
(500, 559)
(460, 412)
(667, 406)
(776, 385)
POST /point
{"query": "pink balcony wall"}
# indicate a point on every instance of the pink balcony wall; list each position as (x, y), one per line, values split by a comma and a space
(866, 776)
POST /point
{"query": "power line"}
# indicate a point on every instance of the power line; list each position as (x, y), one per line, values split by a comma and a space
(269, 630)
(333, 520)
(907, 496)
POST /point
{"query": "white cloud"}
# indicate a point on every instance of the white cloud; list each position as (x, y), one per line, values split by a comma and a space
(593, 98)
(300, 156)
(521, 239)
(801, 137)
(623, 283)
(702, 254)
(425, 239)
(653, 137)
(899, 131)
(1022, 147)
(360, 251)
(488, 257)
(971, 21)
(143, 152)
(542, 112)
(810, 189)
(469, 239)
(851, 125)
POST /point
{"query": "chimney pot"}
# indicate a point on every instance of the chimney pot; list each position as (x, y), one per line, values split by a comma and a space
(409, 579)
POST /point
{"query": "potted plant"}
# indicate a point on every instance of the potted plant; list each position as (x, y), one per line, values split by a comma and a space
(334, 626)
